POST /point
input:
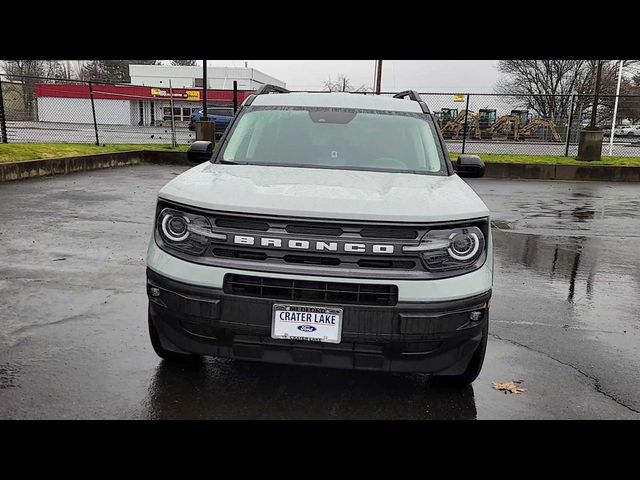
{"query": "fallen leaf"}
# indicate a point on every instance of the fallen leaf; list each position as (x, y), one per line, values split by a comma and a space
(509, 387)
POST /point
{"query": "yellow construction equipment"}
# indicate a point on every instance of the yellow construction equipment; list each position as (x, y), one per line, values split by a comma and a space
(455, 127)
(481, 125)
(542, 123)
(508, 125)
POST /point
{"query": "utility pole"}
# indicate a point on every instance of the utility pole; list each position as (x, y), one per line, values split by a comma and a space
(204, 117)
(379, 77)
(205, 129)
(596, 96)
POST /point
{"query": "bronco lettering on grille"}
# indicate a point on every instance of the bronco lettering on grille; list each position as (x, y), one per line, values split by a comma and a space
(312, 245)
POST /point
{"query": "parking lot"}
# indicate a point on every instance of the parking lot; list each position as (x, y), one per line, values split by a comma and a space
(58, 132)
(73, 338)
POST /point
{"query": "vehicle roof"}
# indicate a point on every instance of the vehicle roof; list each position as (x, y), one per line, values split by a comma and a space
(338, 100)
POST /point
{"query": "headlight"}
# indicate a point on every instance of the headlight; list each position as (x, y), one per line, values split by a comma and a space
(455, 249)
(175, 228)
(186, 232)
(464, 245)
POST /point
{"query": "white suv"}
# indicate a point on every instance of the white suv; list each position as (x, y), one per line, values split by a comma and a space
(325, 229)
(627, 130)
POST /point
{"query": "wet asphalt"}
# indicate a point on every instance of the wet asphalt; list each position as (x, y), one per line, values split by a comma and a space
(73, 340)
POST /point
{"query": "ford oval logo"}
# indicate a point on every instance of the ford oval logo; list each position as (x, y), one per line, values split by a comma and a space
(306, 328)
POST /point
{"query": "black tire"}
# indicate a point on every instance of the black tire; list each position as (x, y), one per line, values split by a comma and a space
(473, 369)
(167, 355)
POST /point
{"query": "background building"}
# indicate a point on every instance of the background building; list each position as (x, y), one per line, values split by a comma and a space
(218, 78)
(148, 100)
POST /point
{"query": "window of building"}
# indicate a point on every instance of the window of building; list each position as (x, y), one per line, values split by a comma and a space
(180, 114)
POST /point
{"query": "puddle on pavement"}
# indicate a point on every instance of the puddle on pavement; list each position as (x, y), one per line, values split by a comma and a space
(593, 280)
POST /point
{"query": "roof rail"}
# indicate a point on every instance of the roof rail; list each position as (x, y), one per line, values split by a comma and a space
(268, 88)
(412, 94)
(415, 96)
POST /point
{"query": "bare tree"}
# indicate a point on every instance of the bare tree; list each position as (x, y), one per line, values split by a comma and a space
(535, 83)
(183, 63)
(342, 84)
(629, 107)
(545, 86)
(24, 74)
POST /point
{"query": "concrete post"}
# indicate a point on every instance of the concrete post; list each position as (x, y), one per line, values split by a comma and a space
(590, 145)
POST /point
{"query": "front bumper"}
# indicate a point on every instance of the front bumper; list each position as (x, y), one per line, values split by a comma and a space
(430, 337)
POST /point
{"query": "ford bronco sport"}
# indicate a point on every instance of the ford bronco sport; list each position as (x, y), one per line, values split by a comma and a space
(325, 229)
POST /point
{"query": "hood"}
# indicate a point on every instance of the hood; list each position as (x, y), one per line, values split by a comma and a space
(325, 193)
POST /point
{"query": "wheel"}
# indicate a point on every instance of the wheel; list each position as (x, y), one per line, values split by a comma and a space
(473, 369)
(167, 355)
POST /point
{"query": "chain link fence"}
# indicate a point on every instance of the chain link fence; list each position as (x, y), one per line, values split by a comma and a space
(532, 125)
(50, 110)
(44, 110)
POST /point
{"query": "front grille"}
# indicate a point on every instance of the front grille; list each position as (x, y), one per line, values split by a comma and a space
(314, 230)
(241, 224)
(320, 230)
(396, 264)
(311, 260)
(388, 232)
(247, 255)
(261, 243)
(310, 291)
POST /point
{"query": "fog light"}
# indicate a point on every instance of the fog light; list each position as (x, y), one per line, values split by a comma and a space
(155, 292)
(475, 316)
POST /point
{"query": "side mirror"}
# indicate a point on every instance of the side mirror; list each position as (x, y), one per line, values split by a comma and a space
(470, 166)
(200, 151)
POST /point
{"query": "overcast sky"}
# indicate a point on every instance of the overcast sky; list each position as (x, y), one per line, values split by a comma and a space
(423, 75)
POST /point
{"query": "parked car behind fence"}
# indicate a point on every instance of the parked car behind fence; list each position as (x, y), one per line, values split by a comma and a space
(220, 115)
(627, 130)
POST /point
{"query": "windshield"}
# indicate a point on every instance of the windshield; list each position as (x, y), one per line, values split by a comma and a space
(335, 138)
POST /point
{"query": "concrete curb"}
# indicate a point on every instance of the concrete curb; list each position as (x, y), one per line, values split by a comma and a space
(534, 171)
(56, 166)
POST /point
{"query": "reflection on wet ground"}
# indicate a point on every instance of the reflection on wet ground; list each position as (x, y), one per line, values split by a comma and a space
(241, 390)
(567, 279)
(73, 340)
(568, 263)
(562, 208)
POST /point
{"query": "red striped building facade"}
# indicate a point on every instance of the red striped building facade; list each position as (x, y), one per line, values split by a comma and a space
(125, 104)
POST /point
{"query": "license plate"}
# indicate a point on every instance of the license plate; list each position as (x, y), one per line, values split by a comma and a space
(307, 322)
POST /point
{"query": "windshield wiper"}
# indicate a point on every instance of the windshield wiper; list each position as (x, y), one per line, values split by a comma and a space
(230, 162)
